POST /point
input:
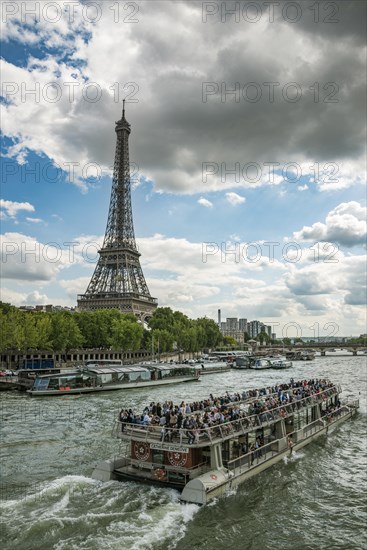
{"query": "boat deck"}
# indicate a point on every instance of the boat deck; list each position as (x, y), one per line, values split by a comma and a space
(178, 438)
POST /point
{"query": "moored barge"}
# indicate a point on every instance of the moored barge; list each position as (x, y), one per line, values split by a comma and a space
(226, 440)
(97, 378)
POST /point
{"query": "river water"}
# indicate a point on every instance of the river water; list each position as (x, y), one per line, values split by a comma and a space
(315, 500)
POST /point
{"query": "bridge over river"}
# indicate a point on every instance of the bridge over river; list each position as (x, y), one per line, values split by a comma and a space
(325, 349)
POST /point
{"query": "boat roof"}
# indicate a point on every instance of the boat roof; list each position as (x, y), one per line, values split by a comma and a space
(111, 370)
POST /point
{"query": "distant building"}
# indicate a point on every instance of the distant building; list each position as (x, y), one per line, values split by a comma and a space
(254, 328)
(236, 328)
(232, 324)
(49, 308)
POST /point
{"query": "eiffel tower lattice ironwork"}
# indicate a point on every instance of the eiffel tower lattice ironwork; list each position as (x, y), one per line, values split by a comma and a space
(118, 280)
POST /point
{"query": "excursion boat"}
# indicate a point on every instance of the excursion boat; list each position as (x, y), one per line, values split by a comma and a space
(213, 366)
(240, 364)
(261, 364)
(259, 429)
(301, 355)
(97, 377)
(243, 362)
(280, 363)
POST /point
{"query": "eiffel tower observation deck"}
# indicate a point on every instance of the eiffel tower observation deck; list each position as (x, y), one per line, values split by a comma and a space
(118, 280)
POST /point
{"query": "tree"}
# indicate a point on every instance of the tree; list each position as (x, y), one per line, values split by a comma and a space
(159, 339)
(229, 341)
(213, 336)
(127, 333)
(190, 335)
(96, 326)
(43, 329)
(13, 333)
(6, 308)
(65, 333)
(263, 337)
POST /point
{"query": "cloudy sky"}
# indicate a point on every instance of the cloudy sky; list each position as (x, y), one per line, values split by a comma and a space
(247, 154)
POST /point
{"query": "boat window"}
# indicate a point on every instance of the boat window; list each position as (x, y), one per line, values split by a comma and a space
(41, 383)
(137, 376)
(54, 384)
(105, 378)
(183, 371)
(165, 373)
(88, 381)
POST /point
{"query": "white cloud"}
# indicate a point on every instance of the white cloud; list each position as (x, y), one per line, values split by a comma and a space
(234, 199)
(235, 237)
(24, 258)
(35, 297)
(205, 202)
(12, 208)
(345, 225)
(34, 220)
(73, 287)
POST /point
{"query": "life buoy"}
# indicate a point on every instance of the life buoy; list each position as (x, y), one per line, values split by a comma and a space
(159, 474)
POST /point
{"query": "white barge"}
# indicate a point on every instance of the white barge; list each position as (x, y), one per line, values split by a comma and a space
(228, 441)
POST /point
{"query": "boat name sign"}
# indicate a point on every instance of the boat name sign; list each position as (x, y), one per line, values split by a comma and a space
(170, 448)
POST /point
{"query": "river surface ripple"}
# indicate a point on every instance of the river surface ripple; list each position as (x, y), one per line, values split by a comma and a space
(315, 500)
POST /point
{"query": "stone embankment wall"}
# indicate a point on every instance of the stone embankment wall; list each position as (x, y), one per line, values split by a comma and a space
(14, 359)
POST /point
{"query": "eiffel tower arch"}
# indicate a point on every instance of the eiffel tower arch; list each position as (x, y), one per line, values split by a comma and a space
(118, 280)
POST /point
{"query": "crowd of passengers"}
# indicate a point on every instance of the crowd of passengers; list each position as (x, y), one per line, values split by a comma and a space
(193, 419)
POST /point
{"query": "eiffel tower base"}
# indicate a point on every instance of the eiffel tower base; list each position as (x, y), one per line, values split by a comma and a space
(142, 308)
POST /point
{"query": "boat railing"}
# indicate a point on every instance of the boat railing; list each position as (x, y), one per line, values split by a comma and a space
(351, 402)
(310, 428)
(223, 431)
(264, 452)
(253, 457)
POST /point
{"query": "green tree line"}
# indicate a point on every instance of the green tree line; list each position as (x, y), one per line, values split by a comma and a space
(171, 330)
(63, 330)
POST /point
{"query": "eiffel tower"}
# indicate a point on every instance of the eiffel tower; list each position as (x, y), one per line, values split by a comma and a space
(118, 280)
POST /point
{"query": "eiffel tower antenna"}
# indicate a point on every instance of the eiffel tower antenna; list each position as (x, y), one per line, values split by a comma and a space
(118, 280)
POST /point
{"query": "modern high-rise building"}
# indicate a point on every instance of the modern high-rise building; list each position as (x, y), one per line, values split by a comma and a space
(232, 324)
(118, 280)
(237, 327)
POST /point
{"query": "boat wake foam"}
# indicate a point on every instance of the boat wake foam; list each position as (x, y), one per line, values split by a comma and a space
(296, 455)
(124, 515)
